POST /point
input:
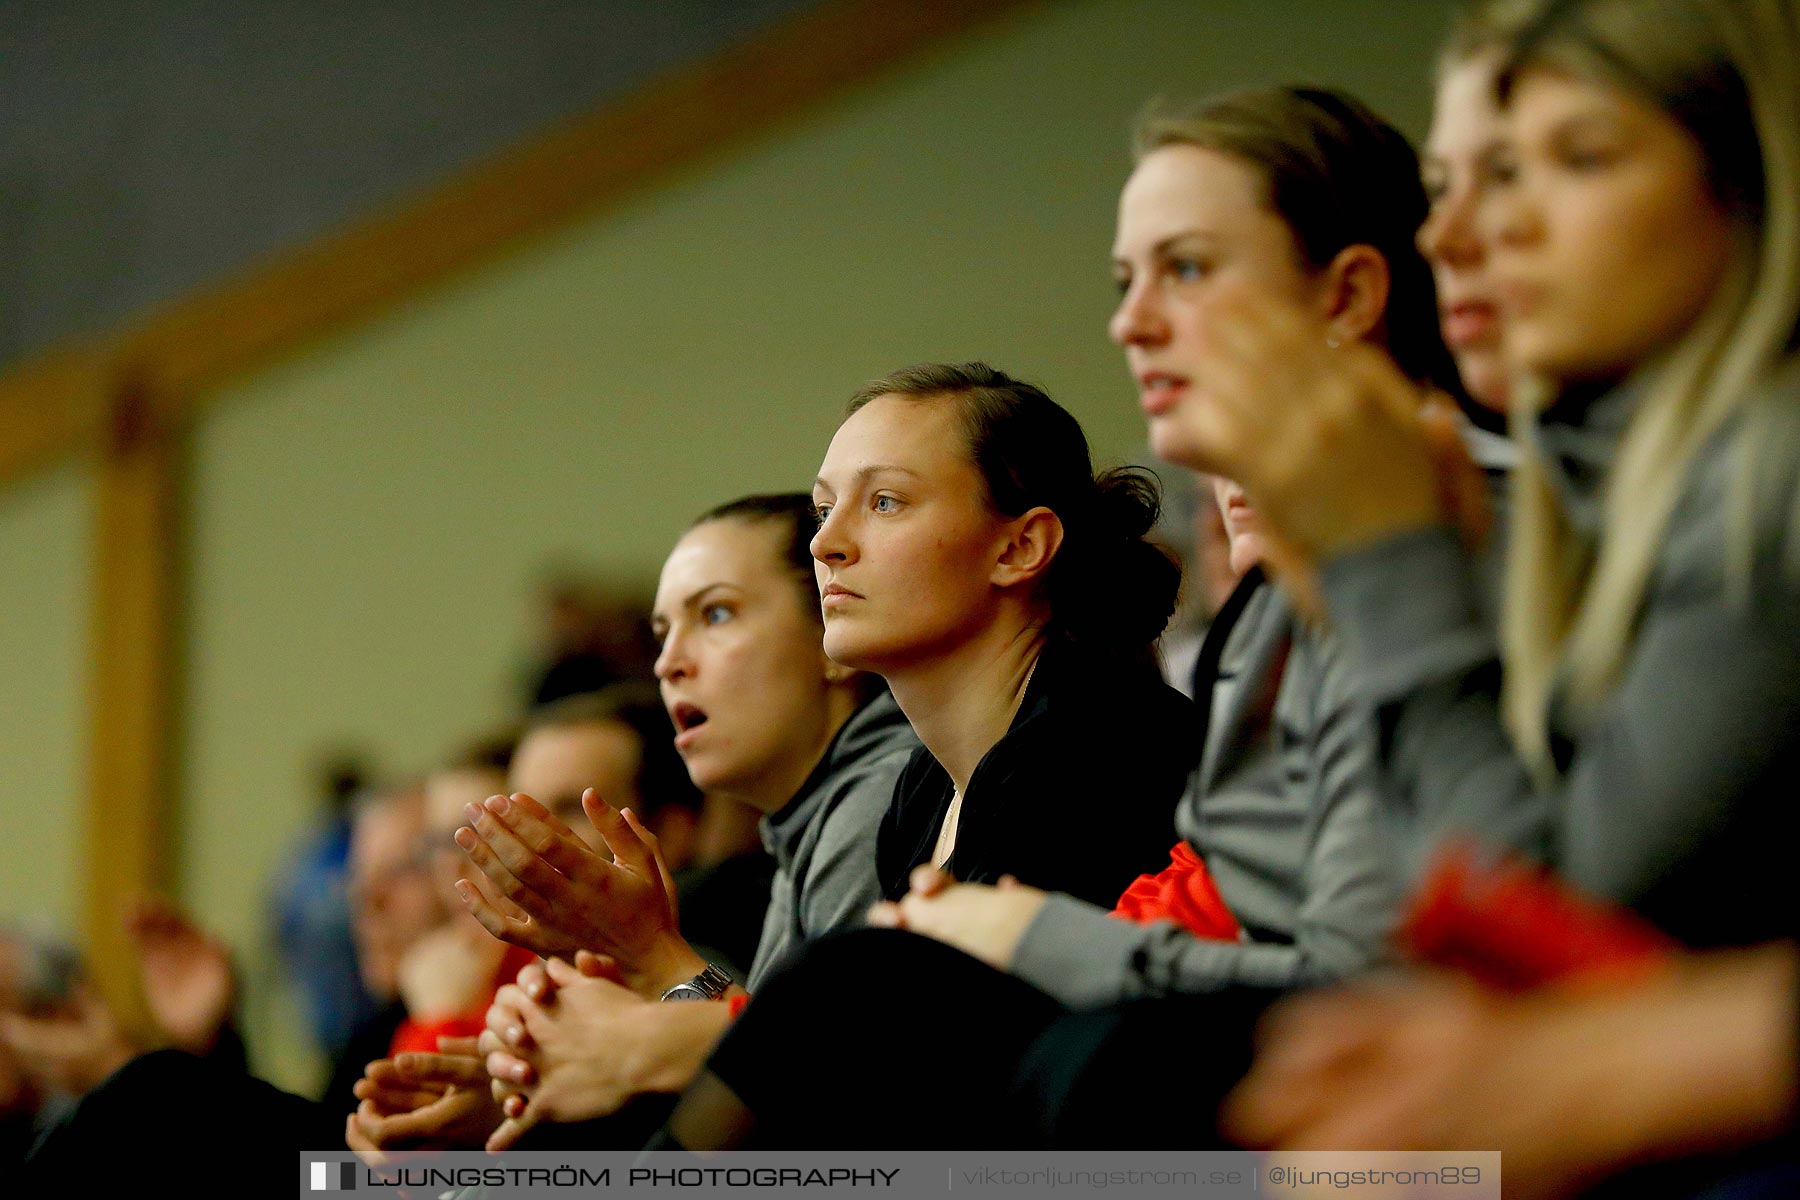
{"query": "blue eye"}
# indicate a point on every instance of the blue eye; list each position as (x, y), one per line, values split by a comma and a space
(1187, 269)
(820, 512)
(716, 614)
(884, 504)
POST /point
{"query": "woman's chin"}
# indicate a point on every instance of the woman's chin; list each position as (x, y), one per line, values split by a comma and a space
(1247, 549)
(1169, 441)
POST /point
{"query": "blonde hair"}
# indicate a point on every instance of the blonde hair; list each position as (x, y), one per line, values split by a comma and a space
(1729, 71)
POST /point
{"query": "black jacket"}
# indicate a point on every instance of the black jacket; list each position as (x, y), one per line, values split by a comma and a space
(1078, 797)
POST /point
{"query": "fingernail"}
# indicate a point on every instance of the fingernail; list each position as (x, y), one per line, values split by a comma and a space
(473, 812)
(515, 1034)
(464, 837)
(498, 805)
(519, 1072)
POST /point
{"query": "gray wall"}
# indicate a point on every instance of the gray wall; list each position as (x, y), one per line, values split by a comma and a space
(150, 145)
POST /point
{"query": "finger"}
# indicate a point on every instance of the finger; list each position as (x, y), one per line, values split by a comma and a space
(464, 1046)
(654, 845)
(927, 880)
(510, 1069)
(507, 1023)
(598, 966)
(357, 1140)
(386, 1073)
(561, 973)
(628, 850)
(534, 981)
(492, 916)
(424, 1126)
(386, 1100)
(452, 1070)
(543, 815)
(506, 908)
(885, 914)
(510, 1131)
(549, 842)
(514, 1105)
(515, 871)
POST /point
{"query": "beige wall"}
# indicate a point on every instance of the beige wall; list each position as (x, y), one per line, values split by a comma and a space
(369, 514)
(43, 676)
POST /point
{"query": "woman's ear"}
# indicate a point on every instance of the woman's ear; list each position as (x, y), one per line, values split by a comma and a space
(1032, 542)
(1356, 286)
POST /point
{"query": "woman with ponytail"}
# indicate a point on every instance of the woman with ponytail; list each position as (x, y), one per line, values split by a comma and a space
(968, 553)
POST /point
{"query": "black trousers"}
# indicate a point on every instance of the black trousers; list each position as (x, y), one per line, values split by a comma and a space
(881, 1039)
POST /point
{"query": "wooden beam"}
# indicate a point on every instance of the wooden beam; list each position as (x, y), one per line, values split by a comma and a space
(131, 683)
(186, 349)
(50, 405)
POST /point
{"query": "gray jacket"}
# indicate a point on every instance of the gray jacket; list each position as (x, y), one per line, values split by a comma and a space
(823, 841)
(1677, 797)
(1285, 815)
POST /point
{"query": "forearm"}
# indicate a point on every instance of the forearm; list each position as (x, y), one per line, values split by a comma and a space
(666, 960)
(684, 1036)
(1084, 957)
(1721, 1063)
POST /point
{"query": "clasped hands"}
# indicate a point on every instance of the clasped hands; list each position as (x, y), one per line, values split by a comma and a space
(563, 1043)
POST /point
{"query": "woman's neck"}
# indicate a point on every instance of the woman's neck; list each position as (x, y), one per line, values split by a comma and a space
(960, 705)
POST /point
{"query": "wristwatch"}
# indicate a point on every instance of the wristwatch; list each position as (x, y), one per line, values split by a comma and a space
(709, 984)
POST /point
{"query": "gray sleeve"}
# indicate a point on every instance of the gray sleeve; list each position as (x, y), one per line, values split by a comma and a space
(1351, 891)
(1085, 957)
(1707, 703)
(1408, 611)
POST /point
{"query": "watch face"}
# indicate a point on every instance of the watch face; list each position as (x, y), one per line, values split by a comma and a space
(684, 991)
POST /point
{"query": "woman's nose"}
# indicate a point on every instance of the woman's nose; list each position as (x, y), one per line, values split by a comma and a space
(672, 661)
(831, 544)
(1449, 234)
(1138, 319)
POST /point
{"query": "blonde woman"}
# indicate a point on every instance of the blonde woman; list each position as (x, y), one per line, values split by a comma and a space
(1645, 248)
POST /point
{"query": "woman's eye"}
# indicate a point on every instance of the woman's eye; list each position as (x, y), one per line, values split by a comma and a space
(1121, 284)
(884, 504)
(716, 614)
(820, 512)
(1586, 158)
(1497, 170)
(1187, 270)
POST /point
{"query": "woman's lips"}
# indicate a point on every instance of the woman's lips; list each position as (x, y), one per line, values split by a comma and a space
(1470, 323)
(836, 595)
(1158, 393)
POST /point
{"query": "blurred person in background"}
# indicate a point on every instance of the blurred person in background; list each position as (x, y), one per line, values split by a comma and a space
(312, 916)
